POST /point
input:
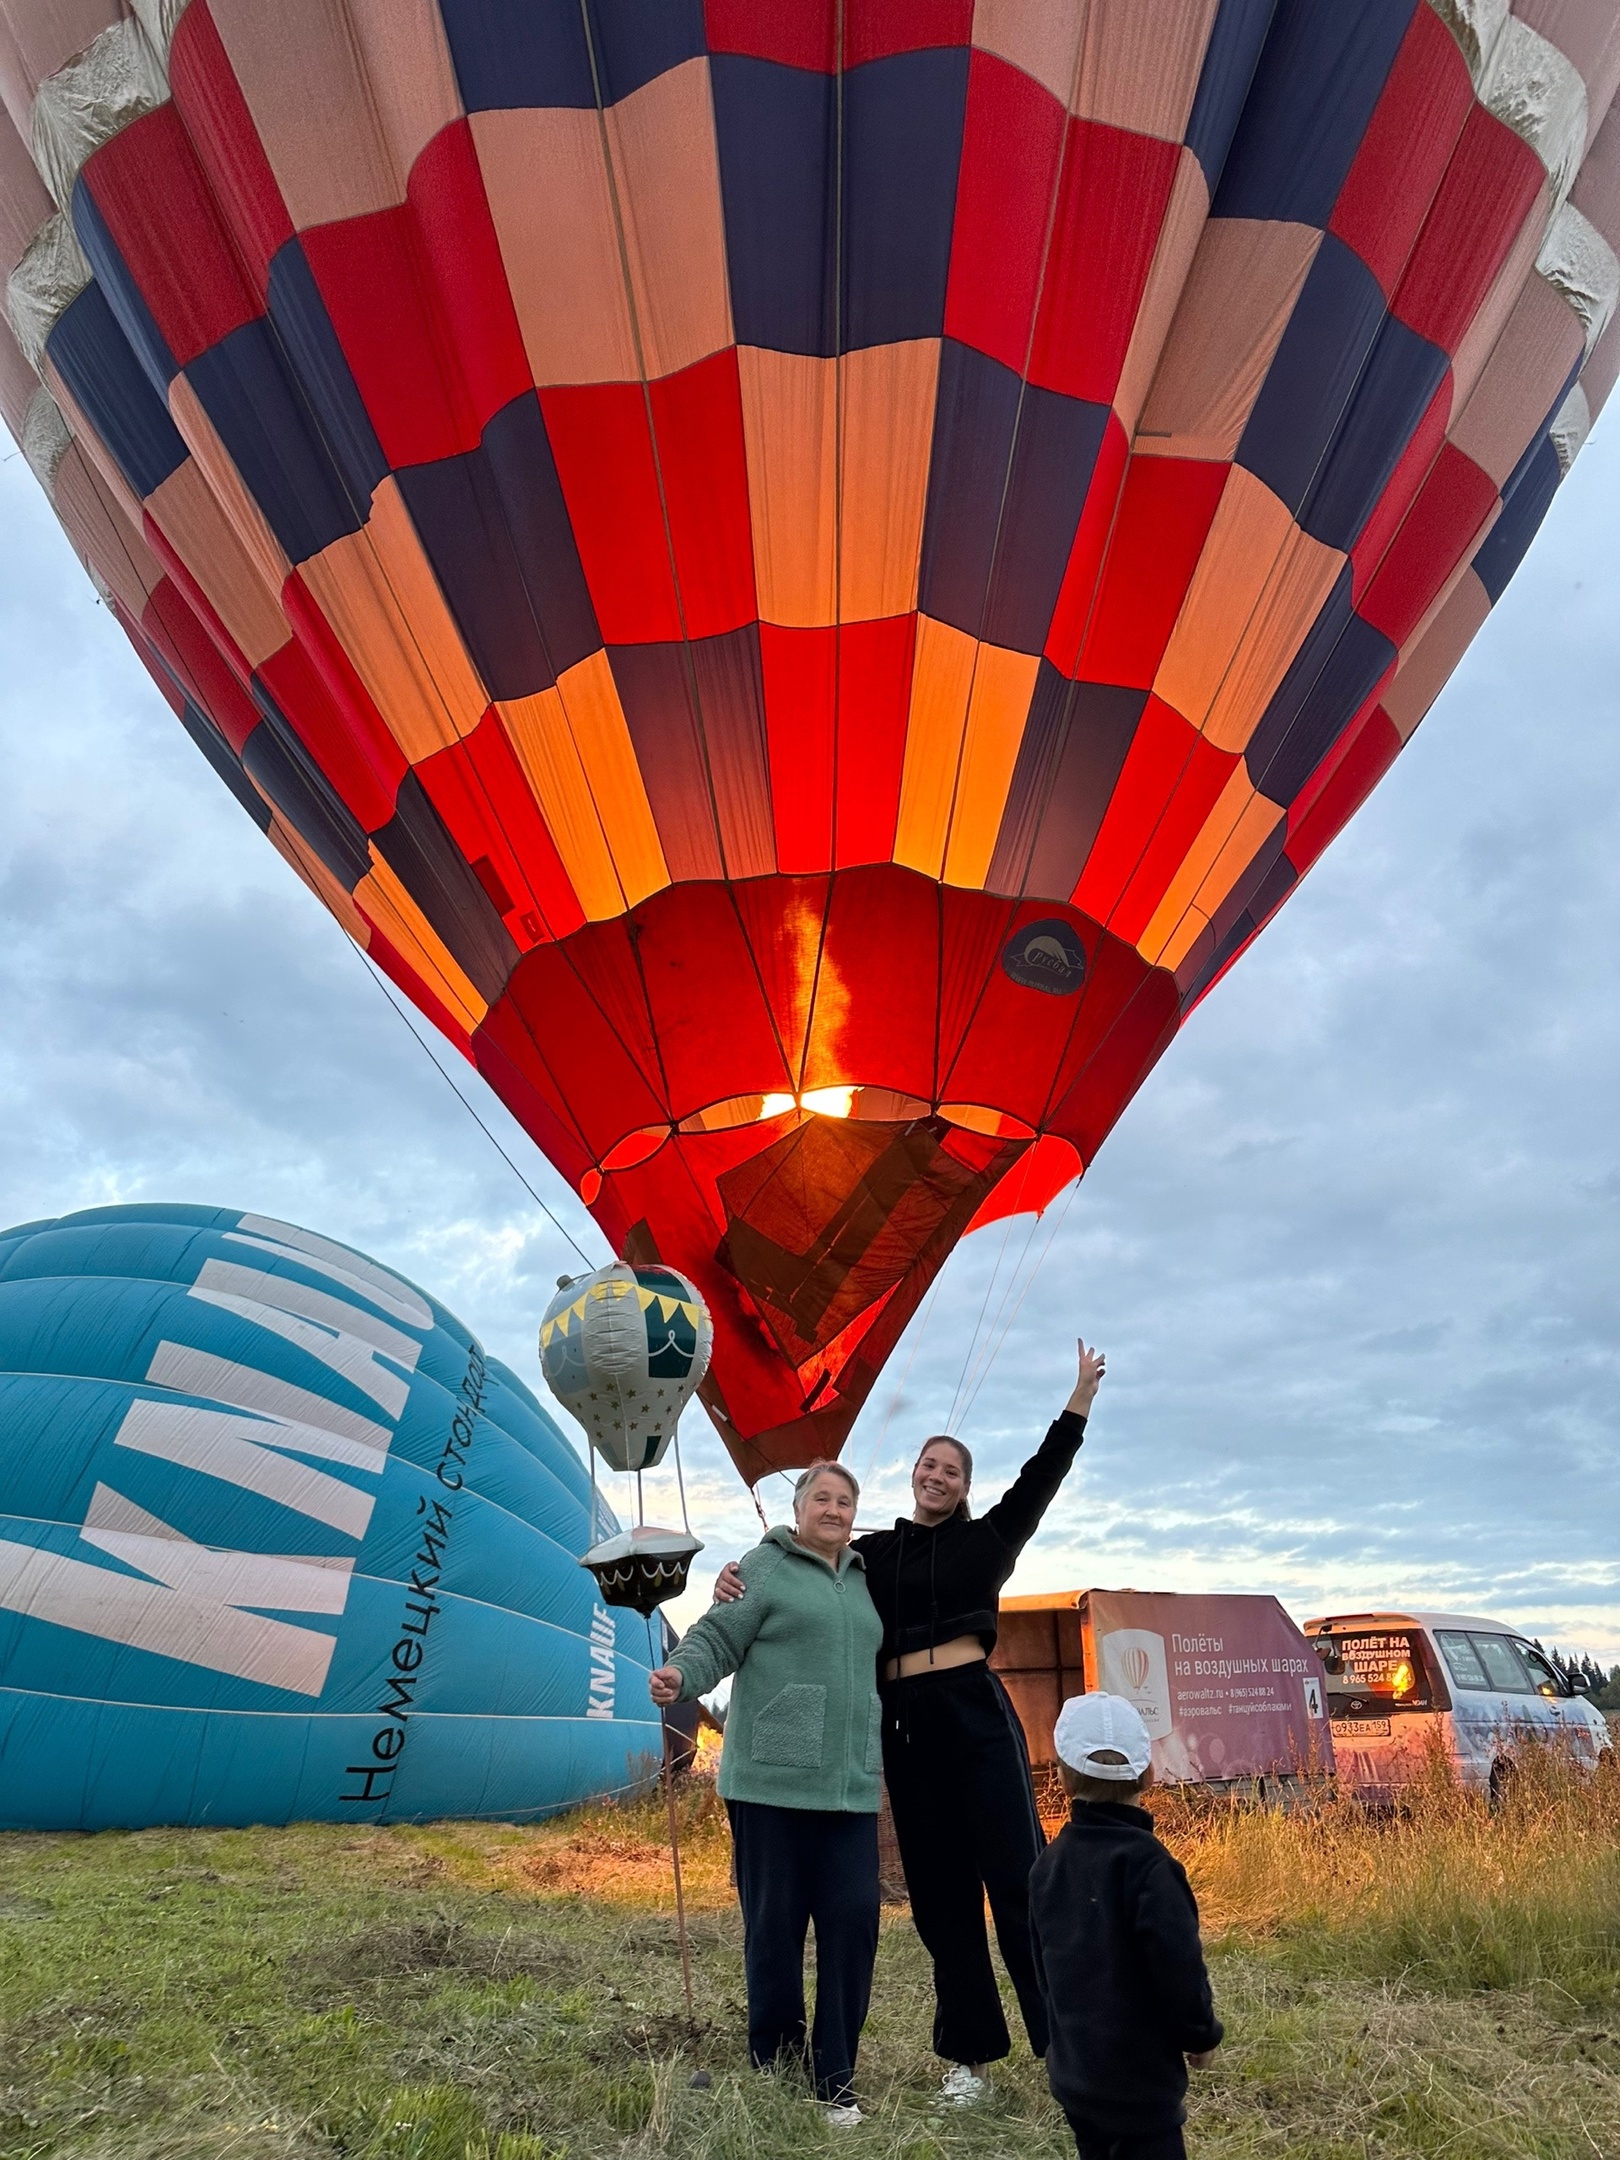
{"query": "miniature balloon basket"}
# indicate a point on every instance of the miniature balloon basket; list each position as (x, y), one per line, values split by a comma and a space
(624, 1349)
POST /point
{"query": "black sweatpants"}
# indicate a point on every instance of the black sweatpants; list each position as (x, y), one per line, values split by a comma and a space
(958, 1776)
(795, 1866)
(1097, 2143)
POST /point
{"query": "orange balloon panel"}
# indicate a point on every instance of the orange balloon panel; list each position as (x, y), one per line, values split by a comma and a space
(804, 579)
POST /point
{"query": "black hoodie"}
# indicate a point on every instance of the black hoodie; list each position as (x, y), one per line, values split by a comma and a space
(931, 1583)
(1119, 1961)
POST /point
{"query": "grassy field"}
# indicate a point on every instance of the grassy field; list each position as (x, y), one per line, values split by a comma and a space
(1443, 1984)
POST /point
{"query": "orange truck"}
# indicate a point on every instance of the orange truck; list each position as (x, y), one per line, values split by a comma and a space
(1231, 1692)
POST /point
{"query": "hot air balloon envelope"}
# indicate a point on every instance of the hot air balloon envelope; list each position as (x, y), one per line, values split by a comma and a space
(804, 578)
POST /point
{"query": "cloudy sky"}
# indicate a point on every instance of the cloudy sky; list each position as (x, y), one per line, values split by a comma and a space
(1354, 1251)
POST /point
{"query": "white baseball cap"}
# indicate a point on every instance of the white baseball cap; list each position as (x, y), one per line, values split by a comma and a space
(1089, 1725)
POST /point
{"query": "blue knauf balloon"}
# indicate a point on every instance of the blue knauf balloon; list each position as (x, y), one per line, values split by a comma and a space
(279, 1542)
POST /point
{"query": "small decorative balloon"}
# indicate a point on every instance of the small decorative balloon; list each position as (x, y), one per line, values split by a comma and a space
(624, 1349)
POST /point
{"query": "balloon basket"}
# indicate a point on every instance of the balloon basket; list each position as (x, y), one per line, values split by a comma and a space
(644, 1567)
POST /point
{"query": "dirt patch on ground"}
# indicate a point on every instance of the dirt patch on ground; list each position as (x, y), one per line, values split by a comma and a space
(616, 1866)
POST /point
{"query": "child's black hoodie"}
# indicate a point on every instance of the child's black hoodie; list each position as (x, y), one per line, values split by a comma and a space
(1117, 1952)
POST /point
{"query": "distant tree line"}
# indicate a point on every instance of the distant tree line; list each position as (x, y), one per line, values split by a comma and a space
(1603, 1688)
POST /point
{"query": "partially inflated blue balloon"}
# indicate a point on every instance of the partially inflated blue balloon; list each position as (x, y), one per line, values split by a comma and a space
(279, 1542)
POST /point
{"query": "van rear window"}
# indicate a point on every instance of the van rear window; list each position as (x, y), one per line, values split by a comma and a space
(1373, 1671)
(1462, 1659)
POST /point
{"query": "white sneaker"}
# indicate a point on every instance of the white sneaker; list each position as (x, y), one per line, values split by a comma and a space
(961, 2087)
(842, 2115)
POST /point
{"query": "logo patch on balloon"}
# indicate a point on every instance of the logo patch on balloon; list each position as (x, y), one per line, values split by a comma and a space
(1045, 956)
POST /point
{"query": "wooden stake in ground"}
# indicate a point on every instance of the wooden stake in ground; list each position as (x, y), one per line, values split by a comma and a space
(675, 1856)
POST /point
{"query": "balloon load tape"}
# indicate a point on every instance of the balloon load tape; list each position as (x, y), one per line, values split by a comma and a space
(623, 1349)
(642, 1568)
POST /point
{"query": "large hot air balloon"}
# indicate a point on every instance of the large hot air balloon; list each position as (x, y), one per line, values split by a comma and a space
(805, 576)
(278, 1542)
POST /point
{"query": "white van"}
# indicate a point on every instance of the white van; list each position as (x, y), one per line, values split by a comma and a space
(1396, 1678)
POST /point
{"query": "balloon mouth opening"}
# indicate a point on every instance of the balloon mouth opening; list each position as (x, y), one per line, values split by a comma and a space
(778, 1107)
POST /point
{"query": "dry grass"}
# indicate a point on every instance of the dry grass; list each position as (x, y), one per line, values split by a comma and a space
(625, 1857)
(1447, 1894)
(1443, 1984)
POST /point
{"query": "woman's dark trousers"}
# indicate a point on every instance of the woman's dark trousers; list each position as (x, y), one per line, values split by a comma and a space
(957, 1770)
(795, 1866)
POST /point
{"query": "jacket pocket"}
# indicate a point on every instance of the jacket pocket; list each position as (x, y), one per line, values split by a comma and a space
(791, 1729)
(874, 1735)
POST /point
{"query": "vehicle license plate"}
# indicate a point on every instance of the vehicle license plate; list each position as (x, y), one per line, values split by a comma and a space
(1361, 1728)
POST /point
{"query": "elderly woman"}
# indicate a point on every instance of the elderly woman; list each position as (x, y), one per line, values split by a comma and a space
(799, 1776)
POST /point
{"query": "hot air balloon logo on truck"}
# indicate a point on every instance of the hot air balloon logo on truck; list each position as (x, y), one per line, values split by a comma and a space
(1135, 1664)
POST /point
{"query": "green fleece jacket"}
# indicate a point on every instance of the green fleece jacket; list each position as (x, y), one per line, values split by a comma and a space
(804, 1728)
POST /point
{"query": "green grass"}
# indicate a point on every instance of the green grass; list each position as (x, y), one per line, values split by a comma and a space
(1442, 1985)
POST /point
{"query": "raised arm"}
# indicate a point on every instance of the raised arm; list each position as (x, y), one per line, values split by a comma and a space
(1016, 1516)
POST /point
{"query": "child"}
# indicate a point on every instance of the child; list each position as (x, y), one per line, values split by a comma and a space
(1116, 1948)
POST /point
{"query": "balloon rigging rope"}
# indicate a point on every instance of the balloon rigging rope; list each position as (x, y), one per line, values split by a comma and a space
(973, 1338)
(1040, 1262)
(680, 1480)
(987, 1343)
(596, 1504)
(377, 977)
(981, 1335)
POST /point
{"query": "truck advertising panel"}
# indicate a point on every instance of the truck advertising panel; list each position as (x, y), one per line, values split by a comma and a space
(1227, 1686)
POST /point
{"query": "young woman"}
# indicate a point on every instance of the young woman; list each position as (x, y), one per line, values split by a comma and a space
(799, 1776)
(954, 1756)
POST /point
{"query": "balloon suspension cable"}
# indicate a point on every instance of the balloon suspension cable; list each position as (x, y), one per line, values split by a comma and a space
(680, 1479)
(674, 1842)
(641, 1512)
(975, 1336)
(999, 1344)
(987, 1344)
(556, 1222)
(764, 1519)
